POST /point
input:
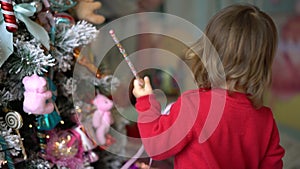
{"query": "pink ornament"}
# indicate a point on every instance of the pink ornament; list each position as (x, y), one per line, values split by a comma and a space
(102, 117)
(36, 96)
(64, 148)
(87, 143)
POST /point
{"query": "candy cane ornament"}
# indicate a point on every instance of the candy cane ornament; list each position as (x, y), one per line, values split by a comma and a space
(8, 15)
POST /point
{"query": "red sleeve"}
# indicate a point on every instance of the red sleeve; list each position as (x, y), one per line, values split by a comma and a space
(273, 157)
(163, 135)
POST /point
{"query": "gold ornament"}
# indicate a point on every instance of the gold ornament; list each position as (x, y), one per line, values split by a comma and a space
(86, 62)
(60, 147)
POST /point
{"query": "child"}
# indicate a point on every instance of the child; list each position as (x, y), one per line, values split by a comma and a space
(220, 125)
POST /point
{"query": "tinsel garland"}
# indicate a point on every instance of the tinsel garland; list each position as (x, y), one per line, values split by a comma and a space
(38, 164)
(69, 86)
(12, 140)
(5, 97)
(10, 83)
(108, 83)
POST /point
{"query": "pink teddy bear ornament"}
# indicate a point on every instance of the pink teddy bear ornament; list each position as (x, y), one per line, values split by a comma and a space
(36, 95)
(102, 117)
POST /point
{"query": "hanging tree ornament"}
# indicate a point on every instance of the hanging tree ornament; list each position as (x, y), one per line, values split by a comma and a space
(14, 120)
(8, 15)
(59, 20)
(87, 61)
(49, 121)
(37, 96)
(87, 144)
(64, 148)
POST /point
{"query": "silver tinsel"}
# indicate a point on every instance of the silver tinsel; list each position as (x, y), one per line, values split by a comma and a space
(39, 164)
(5, 97)
(2, 156)
(69, 86)
(3, 125)
(11, 84)
(108, 83)
(15, 88)
(13, 141)
(64, 60)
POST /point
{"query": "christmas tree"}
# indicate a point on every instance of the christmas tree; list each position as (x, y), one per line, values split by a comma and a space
(41, 116)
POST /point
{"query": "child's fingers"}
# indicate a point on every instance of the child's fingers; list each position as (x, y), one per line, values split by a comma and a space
(141, 90)
(141, 82)
(136, 84)
(147, 84)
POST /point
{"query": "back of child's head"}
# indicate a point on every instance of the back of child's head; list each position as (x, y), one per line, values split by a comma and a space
(245, 40)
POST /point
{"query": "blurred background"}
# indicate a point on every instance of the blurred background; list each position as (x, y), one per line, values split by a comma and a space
(283, 97)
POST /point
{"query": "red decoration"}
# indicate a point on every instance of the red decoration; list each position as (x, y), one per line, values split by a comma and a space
(9, 16)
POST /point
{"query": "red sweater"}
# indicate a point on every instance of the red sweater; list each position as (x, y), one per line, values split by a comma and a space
(210, 130)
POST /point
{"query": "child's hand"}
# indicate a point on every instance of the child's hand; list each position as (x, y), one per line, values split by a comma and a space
(142, 90)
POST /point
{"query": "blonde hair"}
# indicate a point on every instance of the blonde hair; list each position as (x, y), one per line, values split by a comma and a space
(245, 40)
